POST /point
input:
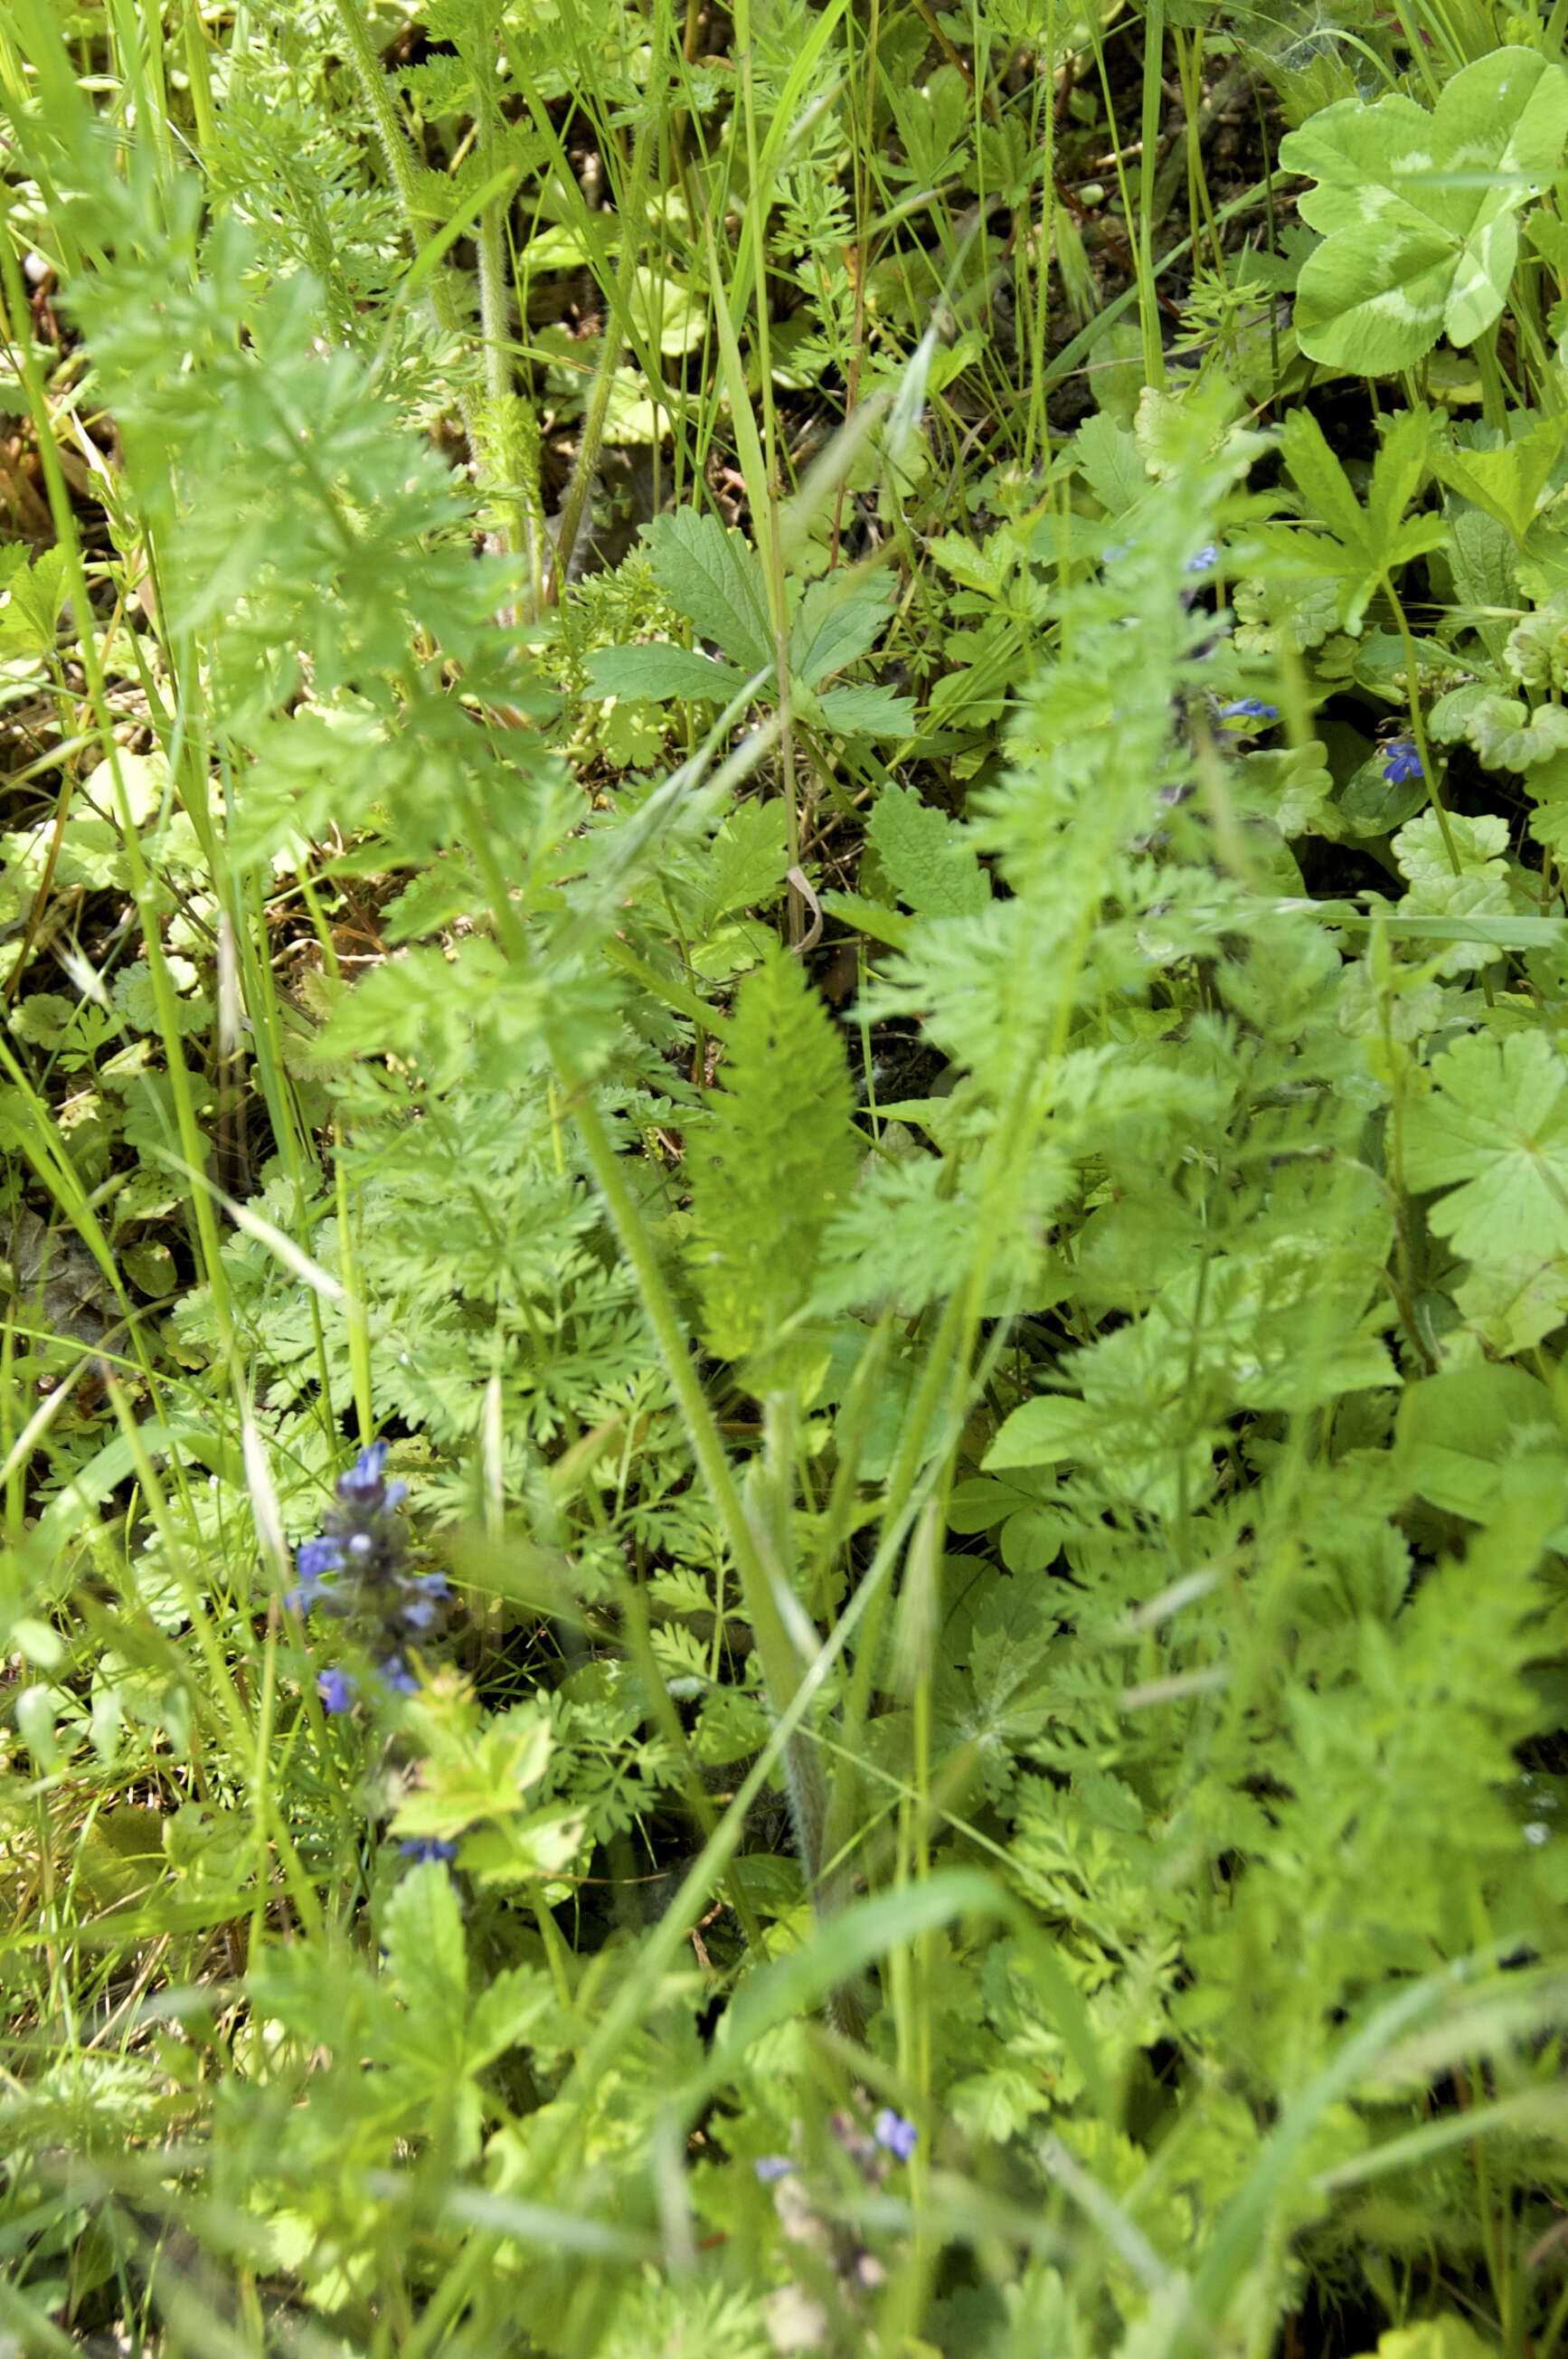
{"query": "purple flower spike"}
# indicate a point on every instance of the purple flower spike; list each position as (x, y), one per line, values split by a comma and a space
(899, 2136)
(336, 1691)
(399, 1677)
(427, 1847)
(1402, 761)
(770, 2167)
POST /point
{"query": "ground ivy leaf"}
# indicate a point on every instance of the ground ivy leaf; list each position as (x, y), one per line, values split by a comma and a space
(1502, 729)
(1495, 1131)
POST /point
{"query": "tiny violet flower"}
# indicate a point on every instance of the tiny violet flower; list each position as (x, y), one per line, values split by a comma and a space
(899, 2136)
(399, 1677)
(1207, 557)
(336, 1691)
(1402, 761)
(1250, 708)
(423, 1848)
(770, 2167)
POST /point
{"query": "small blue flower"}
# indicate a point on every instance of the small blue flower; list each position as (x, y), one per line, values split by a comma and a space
(424, 1593)
(399, 1677)
(317, 1558)
(1207, 556)
(899, 2136)
(1250, 708)
(1402, 761)
(772, 2167)
(363, 1477)
(336, 1691)
(422, 1848)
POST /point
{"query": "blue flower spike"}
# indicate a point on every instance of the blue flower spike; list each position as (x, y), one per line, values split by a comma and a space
(336, 1691)
(359, 1568)
(1402, 761)
(899, 2136)
(421, 1849)
(1250, 708)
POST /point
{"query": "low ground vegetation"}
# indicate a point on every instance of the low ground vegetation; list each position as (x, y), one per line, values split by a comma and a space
(785, 1211)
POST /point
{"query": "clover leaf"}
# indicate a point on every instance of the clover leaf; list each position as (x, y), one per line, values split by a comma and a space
(1494, 1130)
(1417, 210)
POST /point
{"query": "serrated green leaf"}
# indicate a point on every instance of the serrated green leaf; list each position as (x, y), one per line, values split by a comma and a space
(427, 1959)
(661, 671)
(927, 856)
(1502, 729)
(1494, 1131)
(1459, 1430)
(774, 1156)
(856, 711)
(1507, 483)
(838, 620)
(746, 861)
(715, 580)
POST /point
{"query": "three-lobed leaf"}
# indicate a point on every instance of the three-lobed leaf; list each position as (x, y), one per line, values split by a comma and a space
(1417, 210)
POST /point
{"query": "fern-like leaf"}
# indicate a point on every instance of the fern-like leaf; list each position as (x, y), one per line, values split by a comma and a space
(769, 1162)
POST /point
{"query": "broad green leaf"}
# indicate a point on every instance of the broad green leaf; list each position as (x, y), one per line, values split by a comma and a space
(1448, 2337)
(661, 671)
(1111, 462)
(927, 856)
(1459, 1431)
(1043, 1432)
(1493, 1129)
(671, 314)
(716, 581)
(29, 621)
(1417, 211)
